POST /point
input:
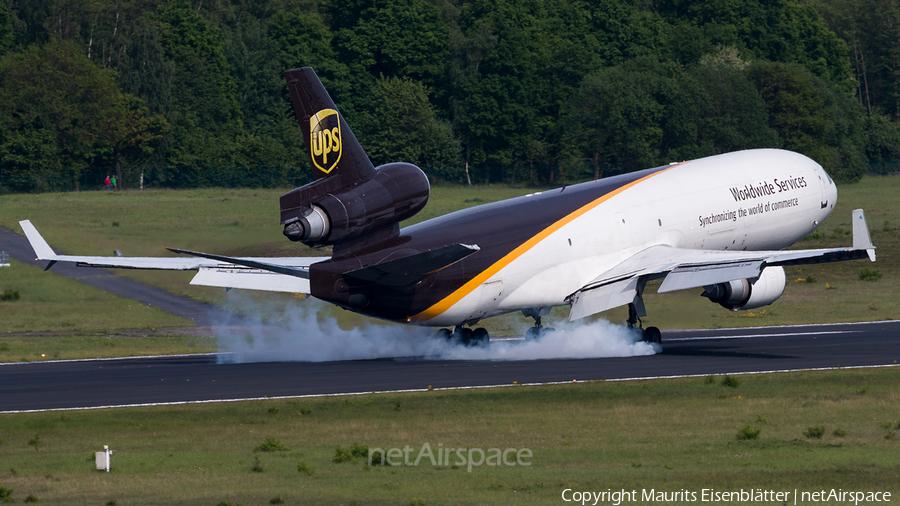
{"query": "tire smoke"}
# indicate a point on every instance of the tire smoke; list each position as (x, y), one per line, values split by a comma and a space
(304, 332)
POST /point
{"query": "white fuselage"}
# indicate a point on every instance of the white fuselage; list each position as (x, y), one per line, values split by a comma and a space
(748, 200)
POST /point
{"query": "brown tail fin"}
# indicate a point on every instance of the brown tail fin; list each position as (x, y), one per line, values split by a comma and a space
(332, 148)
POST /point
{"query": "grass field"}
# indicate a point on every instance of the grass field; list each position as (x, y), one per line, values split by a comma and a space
(664, 434)
(49, 302)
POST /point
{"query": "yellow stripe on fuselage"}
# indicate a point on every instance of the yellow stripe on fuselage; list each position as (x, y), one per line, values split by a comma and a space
(448, 301)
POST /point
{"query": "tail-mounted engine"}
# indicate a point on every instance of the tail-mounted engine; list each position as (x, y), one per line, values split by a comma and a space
(748, 294)
(319, 214)
(349, 199)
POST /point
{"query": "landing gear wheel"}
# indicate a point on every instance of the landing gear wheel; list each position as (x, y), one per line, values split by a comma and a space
(463, 335)
(444, 334)
(480, 337)
(538, 331)
(652, 335)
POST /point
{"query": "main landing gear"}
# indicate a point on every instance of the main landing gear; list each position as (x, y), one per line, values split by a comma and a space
(538, 331)
(649, 334)
(466, 336)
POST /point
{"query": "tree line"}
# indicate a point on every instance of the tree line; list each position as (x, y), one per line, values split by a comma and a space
(532, 91)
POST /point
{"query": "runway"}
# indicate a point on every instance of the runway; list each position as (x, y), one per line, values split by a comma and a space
(198, 378)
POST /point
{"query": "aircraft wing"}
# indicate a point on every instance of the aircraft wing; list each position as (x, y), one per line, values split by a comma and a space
(690, 268)
(279, 274)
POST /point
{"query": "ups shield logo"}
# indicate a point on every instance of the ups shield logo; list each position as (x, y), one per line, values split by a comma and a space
(325, 139)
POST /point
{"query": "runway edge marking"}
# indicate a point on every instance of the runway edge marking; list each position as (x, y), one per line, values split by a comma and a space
(281, 397)
(875, 322)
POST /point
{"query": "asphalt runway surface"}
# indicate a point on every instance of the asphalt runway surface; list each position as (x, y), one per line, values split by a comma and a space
(199, 378)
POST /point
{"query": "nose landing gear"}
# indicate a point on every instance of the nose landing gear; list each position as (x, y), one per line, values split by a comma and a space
(538, 331)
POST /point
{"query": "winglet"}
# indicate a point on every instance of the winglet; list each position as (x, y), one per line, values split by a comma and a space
(40, 246)
(861, 237)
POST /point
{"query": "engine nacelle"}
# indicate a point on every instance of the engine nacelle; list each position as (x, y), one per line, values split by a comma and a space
(396, 192)
(746, 294)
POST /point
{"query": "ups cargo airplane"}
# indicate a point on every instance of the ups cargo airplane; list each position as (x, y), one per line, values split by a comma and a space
(720, 223)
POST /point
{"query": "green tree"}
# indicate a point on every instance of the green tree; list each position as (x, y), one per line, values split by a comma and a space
(882, 143)
(303, 40)
(870, 29)
(813, 117)
(397, 38)
(796, 106)
(516, 65)
(134, 134)
(6, 28)
(28, 20)
(402, 126)
(646, 112)
(252, 58)
(726, 111)
(205, 116)
(777, 30)
(54, 92)
(616, 117)
(30, 161)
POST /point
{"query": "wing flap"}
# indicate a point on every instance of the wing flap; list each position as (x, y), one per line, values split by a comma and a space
(600, 298)
(300, 272)
(703, 275)
(250, 279)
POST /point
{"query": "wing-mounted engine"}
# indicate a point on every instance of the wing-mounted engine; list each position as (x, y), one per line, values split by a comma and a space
(396, 192)
(748, 293)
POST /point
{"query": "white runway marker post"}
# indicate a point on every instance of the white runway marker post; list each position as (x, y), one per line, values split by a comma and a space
(103, 459)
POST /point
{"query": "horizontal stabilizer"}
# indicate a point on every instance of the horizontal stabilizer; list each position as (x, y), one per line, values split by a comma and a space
(408, 270)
